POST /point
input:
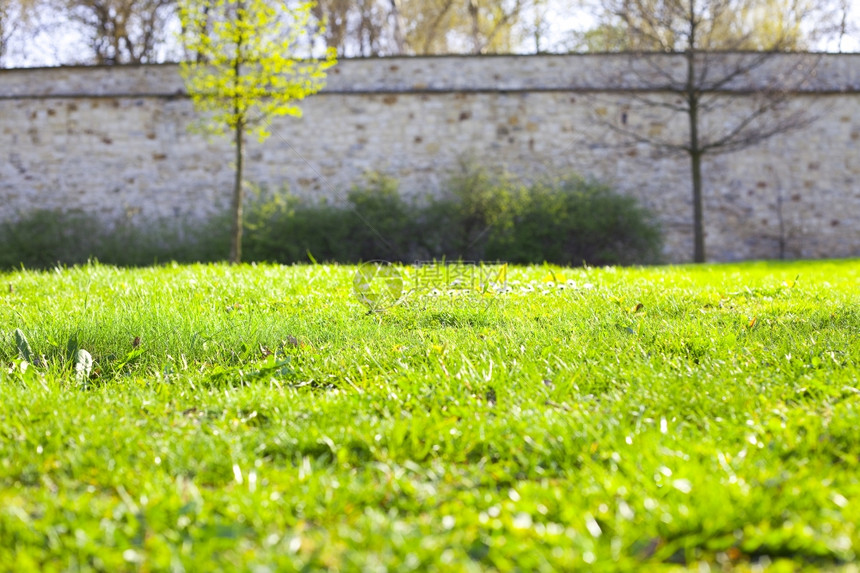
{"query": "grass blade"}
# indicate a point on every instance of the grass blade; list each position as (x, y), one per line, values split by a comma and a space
(24, 349)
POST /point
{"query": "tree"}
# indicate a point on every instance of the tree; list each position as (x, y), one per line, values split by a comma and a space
(691, 57)
(121, 31)
(6, 27)
(16, 16)
(393, 27)
(474, 26)
(248, 73)
(844, 26)
(361, 27)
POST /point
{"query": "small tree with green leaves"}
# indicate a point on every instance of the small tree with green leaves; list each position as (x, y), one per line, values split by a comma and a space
(245, 72)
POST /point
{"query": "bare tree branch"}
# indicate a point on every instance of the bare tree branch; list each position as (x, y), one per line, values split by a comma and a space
(121, 31)
(701, 70)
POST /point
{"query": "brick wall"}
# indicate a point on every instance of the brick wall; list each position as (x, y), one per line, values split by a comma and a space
(116, 142)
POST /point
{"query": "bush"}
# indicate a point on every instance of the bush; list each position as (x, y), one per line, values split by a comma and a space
(574, 221)
(476, 201)
(42, 238)
(482, 215)
(569, 221)
(375, 223)
(45, 238)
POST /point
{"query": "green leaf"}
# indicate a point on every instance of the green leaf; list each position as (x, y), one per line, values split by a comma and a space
(251, 69)
(72, 346)
(24, 349)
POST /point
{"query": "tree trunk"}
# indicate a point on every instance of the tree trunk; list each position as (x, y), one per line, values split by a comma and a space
(239, 118)
(236, 230)
(399, 28)
(476, 30)
(698, 218)
(695, 153)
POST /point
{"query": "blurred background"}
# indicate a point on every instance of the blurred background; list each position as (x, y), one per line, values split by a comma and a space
(36, 33)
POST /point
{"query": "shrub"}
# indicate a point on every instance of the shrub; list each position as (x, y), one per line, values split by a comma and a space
(375, 223)
(382, 222)
(476, 201)
(482, 215)
(574, 221)
(569, 221)
(44, 238)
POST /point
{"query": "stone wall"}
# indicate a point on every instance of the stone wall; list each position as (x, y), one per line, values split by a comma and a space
(116, 142)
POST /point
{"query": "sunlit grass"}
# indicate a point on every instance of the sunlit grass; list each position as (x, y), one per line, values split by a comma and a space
(250, 417)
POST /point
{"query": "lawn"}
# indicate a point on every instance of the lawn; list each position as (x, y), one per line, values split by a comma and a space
(259, 418)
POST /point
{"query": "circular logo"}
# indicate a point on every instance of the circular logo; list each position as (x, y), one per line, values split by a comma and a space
(377, 285)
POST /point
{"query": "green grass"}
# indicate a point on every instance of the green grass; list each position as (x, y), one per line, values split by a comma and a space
(671, 417)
